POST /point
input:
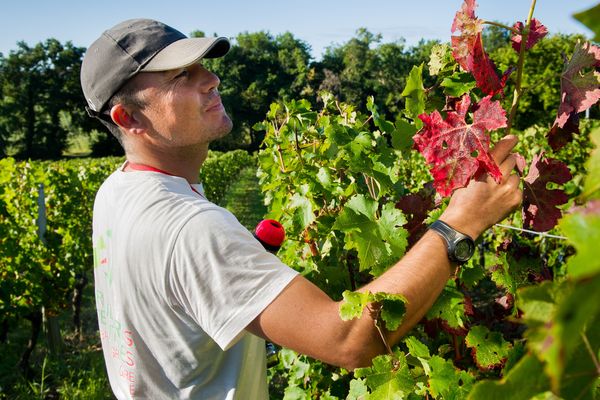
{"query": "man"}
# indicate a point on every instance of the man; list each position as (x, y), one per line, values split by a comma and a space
(184, 293)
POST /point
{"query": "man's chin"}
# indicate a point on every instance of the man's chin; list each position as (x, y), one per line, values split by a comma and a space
(226, 127)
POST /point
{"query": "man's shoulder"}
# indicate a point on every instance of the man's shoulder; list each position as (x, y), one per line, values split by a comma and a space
(150, 185)
(160, 198)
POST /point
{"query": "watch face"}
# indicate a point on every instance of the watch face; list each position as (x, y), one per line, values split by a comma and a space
(464, 250)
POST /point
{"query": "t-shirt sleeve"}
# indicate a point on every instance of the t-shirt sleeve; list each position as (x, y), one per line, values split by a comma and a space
(222, 276)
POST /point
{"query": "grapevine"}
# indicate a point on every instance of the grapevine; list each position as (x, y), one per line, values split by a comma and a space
(49, 272)
(353, 195)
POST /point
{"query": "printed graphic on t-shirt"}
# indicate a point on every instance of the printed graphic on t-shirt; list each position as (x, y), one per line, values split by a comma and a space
(116, 338)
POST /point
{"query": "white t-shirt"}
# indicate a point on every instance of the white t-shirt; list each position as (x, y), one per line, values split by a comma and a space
(177, 280)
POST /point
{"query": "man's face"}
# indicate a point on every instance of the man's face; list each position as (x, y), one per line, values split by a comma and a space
(183, 107)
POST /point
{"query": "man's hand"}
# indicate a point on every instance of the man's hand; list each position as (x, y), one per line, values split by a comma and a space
(484, 202)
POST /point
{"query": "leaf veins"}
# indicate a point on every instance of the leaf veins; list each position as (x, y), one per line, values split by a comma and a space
(455, 150)
(579, 89)
(536, 32)
(540, 211)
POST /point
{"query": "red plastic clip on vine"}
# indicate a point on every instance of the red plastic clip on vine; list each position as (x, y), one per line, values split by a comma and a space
(270, 234)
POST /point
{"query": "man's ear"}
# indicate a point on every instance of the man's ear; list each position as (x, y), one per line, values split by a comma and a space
(125, 117)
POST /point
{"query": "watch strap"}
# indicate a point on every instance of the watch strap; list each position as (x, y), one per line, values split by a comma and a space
(447, 232)
(451, 236)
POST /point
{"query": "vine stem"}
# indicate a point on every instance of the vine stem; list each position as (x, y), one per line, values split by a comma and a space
(517, 92)
(387, 346)
(298, 145)
(589, 349)
(513, 30)
(367, 121)
(457, 355)
(377, 313)
(281, 163)
(276, 130)
(370, 185)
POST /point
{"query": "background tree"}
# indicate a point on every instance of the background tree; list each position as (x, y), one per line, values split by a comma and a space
(258, 70)
(543, 67)
(495, 37)
(353, 65)
(364, 67)
(41, 101)
(37, 85)
(394, 65)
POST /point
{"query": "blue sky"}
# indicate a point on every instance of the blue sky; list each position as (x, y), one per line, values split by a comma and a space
(319, 23)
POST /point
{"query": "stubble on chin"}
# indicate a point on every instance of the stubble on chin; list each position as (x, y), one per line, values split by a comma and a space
(225, 127)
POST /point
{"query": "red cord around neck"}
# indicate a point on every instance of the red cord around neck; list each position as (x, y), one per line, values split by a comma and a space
(143, 167)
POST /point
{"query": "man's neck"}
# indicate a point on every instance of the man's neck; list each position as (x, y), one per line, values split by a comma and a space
(182, 162)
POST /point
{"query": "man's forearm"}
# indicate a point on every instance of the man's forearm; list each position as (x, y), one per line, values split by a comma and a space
(420, 277)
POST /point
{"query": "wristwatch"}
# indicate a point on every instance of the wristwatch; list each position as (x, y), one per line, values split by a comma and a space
(460, 246)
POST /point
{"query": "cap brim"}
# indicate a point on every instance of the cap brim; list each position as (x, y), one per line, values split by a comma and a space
(185, 52)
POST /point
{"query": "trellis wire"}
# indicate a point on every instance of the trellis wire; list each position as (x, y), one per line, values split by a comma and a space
(532, 232)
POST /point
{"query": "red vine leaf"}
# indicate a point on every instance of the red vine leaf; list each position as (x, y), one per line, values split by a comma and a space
(579, 89)
(416, 207)
(536, 32)
(468, 304)
(456, 150)
(559, 137)
(470, 28)
(540, 211)
(521, 163)
(467, 50)
(506, 302)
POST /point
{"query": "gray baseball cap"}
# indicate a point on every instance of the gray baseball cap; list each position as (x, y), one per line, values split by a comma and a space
(139, 45)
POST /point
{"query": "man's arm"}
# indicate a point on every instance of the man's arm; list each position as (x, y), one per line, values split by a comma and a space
(305, 319)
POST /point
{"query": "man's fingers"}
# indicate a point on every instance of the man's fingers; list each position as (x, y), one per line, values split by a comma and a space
(508, 165)
(517, 199)
(513, 180)
(503, 148)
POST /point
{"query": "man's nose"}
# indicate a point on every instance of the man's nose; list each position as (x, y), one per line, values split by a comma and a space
(208, 81)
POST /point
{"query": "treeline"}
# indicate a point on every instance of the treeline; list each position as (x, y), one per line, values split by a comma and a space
(41, 103)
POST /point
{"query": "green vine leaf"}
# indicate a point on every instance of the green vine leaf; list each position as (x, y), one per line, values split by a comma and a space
(414, 92)
(353, 304)
(402, 136)
(393, 309)
(358, 390)
(591, 19)
(401, 132)
(446, 381)
(449, 308)
(458, 84)
(379, 240)
(416, 348)
(295, 393)
(524, 381)
(489, 349)
(563, 321)
(441, 56)
(388, 378)
(392, 306)
(583, 231)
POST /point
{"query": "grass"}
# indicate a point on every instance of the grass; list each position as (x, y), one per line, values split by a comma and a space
(78, 145)
(245, 200)
(79, 372)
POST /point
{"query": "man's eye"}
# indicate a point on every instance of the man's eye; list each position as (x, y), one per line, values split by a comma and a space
(182, 74)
